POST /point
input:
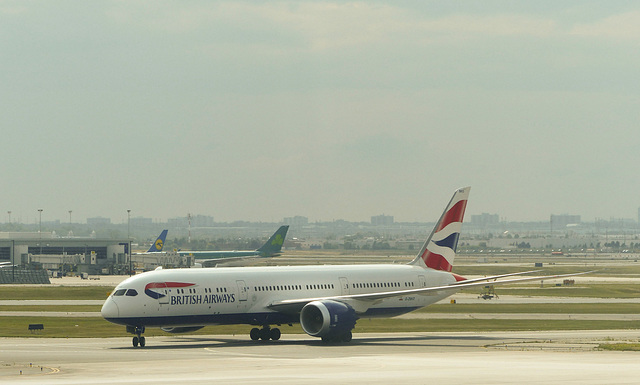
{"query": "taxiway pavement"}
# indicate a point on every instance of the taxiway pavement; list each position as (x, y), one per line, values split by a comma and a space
(438, 358)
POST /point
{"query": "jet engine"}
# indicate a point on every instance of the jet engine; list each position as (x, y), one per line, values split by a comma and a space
(181, 329)
(330, 320)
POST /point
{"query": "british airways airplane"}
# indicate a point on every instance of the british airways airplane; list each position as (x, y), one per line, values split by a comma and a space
(326, 300)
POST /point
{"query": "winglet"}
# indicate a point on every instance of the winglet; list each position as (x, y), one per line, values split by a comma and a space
(273, 246)
(159, 243)
(439, 251)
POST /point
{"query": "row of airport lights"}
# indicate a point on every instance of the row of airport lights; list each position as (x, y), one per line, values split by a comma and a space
(71, 211)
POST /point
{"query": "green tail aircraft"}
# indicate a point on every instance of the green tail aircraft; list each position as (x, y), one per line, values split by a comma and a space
(271, 248)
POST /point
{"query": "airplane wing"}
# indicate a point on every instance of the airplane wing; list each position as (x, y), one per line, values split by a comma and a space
(361, 302)
(488, 278)
(6, 264)
(215, 262)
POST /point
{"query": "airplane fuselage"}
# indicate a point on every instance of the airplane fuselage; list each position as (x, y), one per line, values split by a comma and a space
(220, 254)
(198, 297)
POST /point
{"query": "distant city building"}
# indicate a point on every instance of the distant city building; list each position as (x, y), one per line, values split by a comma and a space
(562, 221)
(141, 221)
(485, 219)
(196, 221)
(98, 221)
(382, 220)
(615, 223)
(202, 221)
(178, 222)
(297, 221)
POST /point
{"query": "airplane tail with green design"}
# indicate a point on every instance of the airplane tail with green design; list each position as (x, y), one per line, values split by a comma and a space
(273, 246)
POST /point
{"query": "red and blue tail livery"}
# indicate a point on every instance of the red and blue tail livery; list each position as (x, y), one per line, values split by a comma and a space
(439, 250)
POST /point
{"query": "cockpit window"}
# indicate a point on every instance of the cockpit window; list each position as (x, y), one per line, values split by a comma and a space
(119, 292)
(131, 293)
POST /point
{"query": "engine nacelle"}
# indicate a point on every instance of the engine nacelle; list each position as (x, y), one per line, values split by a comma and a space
(181, 329)
(328, 319)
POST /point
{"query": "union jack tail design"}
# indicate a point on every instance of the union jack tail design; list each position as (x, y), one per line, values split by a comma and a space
(439, 250)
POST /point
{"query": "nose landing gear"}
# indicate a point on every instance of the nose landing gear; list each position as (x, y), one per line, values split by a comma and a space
(139, 338)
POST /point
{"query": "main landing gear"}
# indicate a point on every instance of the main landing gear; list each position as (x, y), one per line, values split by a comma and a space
(265, 334)
(346, 337)
(139, 338)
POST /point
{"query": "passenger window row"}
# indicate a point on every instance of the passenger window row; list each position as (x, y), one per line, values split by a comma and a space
(218, 290)
(325, 286)
(369, 285)
(376, 285)
(277, 288)
(206, 290)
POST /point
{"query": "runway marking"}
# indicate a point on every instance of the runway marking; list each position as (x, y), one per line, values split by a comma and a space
(544, 345)
(227, 354)
(53, 371)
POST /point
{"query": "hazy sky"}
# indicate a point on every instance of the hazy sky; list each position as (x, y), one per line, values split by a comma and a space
(332, 110)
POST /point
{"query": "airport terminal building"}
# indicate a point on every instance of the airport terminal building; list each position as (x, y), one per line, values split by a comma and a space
(58, 256)
(65, 254)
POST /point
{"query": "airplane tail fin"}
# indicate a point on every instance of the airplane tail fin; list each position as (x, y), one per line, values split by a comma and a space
(439, 250)
(273, 246)
(159, 243)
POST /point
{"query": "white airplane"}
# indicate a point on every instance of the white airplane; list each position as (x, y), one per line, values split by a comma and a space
(326, 300)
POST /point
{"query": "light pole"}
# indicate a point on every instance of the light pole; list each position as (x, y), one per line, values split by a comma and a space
(13, 261)
(70, 211)
(129, 238)
(40, 223)
(128, 224)
(9, 212)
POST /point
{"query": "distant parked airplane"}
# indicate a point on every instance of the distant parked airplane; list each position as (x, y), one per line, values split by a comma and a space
(271, 248)
(157, 246)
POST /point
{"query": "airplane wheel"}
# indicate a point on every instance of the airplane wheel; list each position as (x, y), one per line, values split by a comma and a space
(265, 334)
(255, 334)
(135, 341)
(142, 342)
(347, 337)
(275, 334)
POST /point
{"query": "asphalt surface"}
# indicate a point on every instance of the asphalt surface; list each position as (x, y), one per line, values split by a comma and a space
(420, 358)
(568, 357)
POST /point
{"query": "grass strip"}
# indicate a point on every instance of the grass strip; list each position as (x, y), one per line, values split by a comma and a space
(46, 308)
(550, 308)
(621, 347)
(587, 291)
(479, 325)
(55, 292)
(97, 327)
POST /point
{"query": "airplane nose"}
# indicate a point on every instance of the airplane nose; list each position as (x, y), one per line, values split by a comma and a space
(110, 309)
